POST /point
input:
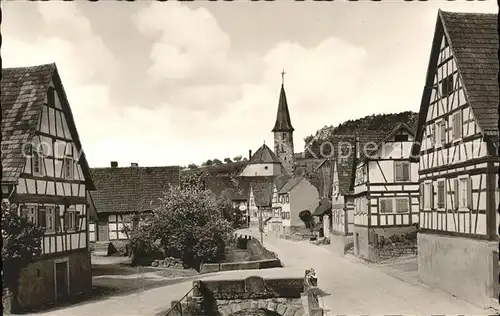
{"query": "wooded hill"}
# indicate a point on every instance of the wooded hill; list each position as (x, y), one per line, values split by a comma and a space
(377, 123)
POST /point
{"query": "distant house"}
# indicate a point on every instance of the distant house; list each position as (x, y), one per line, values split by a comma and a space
(125, 191)
(457, 148)
(385, 193)
(264, 163)
(46, 174)
(295, 196)
(336, 210)
(260, 198)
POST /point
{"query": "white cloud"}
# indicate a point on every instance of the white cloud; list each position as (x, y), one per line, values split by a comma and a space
(189, 41)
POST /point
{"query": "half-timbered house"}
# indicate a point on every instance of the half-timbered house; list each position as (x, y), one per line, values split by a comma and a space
(340, 220)
(122, 192)
(291, 197)
(46, 174)
(456, 145)
(386, 194)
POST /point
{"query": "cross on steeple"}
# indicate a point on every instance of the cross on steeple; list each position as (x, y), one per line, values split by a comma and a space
(283, 76)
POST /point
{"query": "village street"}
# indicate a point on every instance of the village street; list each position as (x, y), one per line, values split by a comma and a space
(354, 288)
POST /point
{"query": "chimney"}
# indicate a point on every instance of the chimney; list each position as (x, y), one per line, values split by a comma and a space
(134, 164)
(114, 164)
(249, 154)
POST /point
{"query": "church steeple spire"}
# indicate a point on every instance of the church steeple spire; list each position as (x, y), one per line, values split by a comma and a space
(283, 122)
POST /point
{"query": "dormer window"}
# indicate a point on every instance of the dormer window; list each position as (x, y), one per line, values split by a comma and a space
(401, 138)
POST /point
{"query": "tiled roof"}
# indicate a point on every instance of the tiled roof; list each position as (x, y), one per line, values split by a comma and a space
(324, 206)
(290, 184)
(318, 173)
(238, 188)
(280, 181)
(131, 189)
(23, 93)
(473, 38)
(283, 122)
(262, 192)
(264, 155)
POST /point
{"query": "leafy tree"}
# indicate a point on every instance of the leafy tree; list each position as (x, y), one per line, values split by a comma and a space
(192, 166)
(209, 162)
(237, 158)
(192, 179)
(21, 246)
(217, 162)
(186, 224)
(231, 214)
(308, 219)
(227, 160)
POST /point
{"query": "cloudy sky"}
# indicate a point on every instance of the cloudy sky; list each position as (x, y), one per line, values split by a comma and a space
(173, 83)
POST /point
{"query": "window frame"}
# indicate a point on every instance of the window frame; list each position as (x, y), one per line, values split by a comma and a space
(68, 165)
(437, 134)
(457, 134)
(381, 210)
(441, 193)
(36, 157)
(447, 86)
(428, 191)
(407, 203)
(443, 132)
(403, 164)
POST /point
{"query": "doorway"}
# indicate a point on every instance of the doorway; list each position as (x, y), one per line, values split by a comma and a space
(61, 279)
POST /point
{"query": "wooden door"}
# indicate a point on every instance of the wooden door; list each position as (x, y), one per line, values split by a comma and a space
(61, 279)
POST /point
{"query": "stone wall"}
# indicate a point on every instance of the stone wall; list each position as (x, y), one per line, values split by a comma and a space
(283, 296)
(245, 265)
(36, 282)
(258, 251)
(463, 267)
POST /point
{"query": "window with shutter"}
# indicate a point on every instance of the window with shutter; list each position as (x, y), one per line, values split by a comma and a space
(77, 221)
(422, 195)
(402, 171)
(42, 218)
(398, 171)
(385, 206)
(431, 194)
(456, 194)
(469, 193)
(442, 127)
(66, 220)
(457, 125)
(402, 205)
(441, 194)
(31, 214)
(36, 161)
(50, 219)
(437, 134)
(463, 195)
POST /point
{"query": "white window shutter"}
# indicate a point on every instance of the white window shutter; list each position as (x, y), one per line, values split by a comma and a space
(469, 193)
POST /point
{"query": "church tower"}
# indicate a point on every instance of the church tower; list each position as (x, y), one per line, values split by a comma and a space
(283, 132)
